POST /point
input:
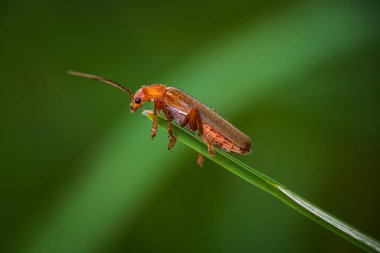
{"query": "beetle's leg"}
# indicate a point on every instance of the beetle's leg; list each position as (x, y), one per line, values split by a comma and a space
(156, 109)
(172, 139)
(209, 145)
(195, 123)
(201, 132)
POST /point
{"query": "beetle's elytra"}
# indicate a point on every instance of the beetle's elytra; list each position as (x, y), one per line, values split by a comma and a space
(187, 112)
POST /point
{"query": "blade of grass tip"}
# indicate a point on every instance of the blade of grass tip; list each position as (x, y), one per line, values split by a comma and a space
(269, 185)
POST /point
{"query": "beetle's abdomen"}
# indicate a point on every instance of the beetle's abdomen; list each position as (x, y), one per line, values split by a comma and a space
(220, 141)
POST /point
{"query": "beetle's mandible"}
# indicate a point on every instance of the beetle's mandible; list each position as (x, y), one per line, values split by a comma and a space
(188, 112)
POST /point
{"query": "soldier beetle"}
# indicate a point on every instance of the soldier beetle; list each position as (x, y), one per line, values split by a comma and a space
(188, 112)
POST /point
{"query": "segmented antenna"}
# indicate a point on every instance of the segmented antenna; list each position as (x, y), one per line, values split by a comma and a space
(102, 79)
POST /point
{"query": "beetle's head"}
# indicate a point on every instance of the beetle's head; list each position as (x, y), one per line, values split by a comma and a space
(138, 100)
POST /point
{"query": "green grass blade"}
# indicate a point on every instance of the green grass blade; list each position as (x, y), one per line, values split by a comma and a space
(269, 185)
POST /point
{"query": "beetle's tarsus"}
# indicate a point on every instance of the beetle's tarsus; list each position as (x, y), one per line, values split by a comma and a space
(169, 118)
(153, 132)
(172, 141)
(200, 160)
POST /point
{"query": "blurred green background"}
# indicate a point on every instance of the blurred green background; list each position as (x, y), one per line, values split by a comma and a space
(79, 173)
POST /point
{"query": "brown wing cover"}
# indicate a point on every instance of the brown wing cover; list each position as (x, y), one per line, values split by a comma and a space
(185, 102)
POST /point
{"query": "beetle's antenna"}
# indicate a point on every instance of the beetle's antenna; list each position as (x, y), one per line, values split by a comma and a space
(102, 79)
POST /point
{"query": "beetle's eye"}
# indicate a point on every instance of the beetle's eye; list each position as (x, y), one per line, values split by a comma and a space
(137, 100)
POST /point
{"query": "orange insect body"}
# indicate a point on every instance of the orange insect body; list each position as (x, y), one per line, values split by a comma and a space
(188, 112)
